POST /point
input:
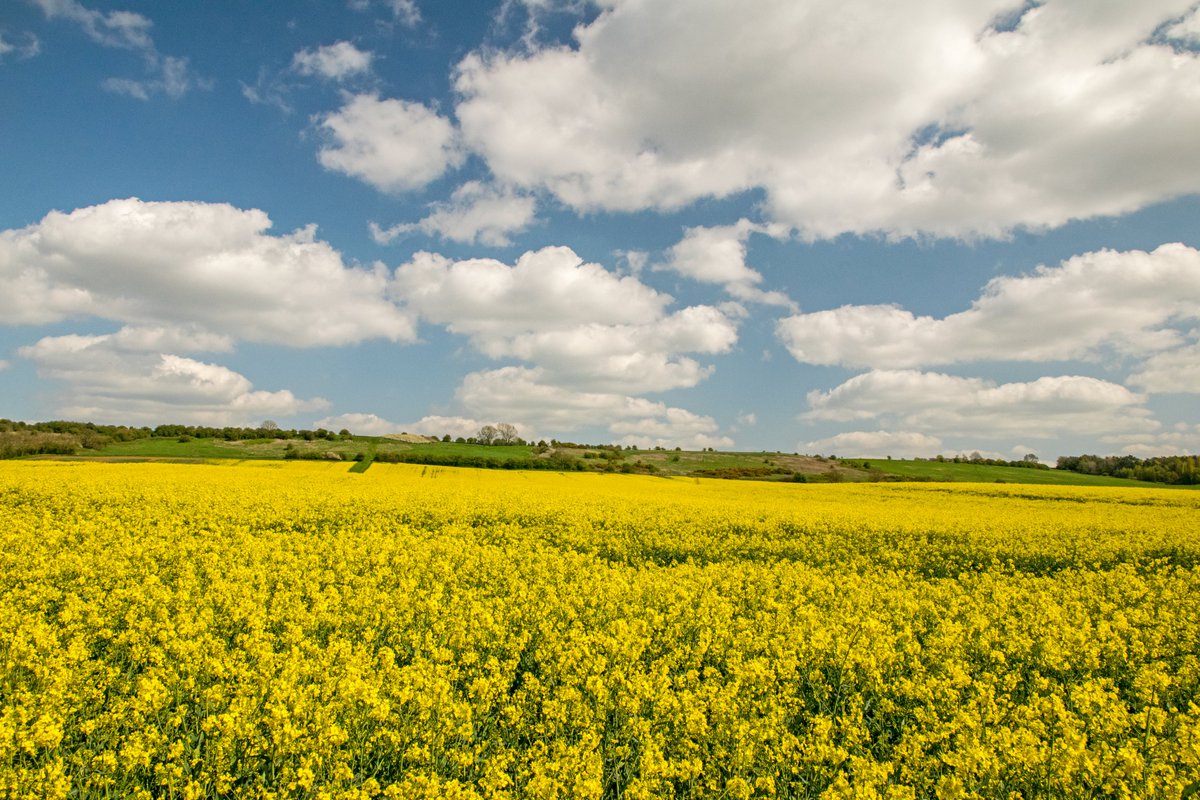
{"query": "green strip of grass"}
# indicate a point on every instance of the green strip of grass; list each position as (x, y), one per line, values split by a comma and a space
(982, 473)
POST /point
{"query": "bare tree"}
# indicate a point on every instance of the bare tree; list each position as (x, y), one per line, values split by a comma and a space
(506, 433)
(487, 434)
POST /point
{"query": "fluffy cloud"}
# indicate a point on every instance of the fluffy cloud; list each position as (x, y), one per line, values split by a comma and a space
(335, 62)
(130, 31)
(475, 213)
(208, 265)
(632, 358)
(124, 377)
(523, 395)
(1181, 439)
(948, 405)
(393, 145)
(1125, 302)
(873, 444)
(586, 327)
(433, 425)
(1187, 29)
(1172, 371)
(851, 116)
(551, 289)
(718, 255)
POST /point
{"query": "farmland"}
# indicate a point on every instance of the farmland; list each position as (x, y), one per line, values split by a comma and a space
(763, 466)
(269, 629)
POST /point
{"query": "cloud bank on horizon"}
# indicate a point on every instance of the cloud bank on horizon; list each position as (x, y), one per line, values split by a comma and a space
(930, 226)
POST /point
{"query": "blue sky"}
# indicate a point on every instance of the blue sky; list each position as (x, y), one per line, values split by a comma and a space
(831, 227)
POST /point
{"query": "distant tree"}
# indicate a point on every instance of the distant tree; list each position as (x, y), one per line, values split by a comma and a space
(487, 434)
(1030, 458)
(446, 438)
(506, 433)
(269, 425)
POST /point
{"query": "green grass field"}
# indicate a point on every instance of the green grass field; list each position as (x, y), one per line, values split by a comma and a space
(760, 465)
(982, 473)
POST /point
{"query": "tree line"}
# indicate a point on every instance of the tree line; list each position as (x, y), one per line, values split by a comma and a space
(1173, 470)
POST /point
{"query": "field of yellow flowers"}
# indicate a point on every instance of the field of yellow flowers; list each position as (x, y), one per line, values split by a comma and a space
(272, 631)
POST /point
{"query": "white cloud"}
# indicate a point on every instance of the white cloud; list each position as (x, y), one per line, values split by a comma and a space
(335, 62)
(1188, 28)
(475, 213)
(551, 289)
(521, 395)
(1181, 439)
(405, 12)
(718, 255)
(29, 46)
(128, 30)
(124, 29)
(948, 405)
(1175, 371)
(629, 358)
(359, 424)
(208, 265)
(588, 328)
(1124, 302)
(170, 76)
(433, 425)
(124, 377)
(4, 365)
(876, 444)
(394, 145)
(916, 117)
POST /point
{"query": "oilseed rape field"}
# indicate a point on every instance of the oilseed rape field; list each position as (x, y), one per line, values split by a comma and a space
(276, 630)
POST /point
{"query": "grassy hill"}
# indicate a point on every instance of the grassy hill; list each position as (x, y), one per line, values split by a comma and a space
(769, 466)
(982, 473)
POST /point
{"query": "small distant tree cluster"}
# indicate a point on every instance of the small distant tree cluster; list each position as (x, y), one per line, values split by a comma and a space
(1174, 470)
(501, 433)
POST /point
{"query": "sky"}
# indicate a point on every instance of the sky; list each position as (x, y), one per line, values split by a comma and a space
(823, 226)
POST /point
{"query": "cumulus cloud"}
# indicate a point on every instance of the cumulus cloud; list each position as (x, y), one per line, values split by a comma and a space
(128, 30)
(1181, 439)
(476, 212)
(334, 62)
(1175, 371)
(849, 116)
(1106, 301)
(523, 395)
(927, 402)
(204, 264)
(432, 425)
(394, 145)
(718, 255)
(1187, 29)
(632, 358)
(586, 327)
(551, 289)
(874, 444)
(124, 377)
